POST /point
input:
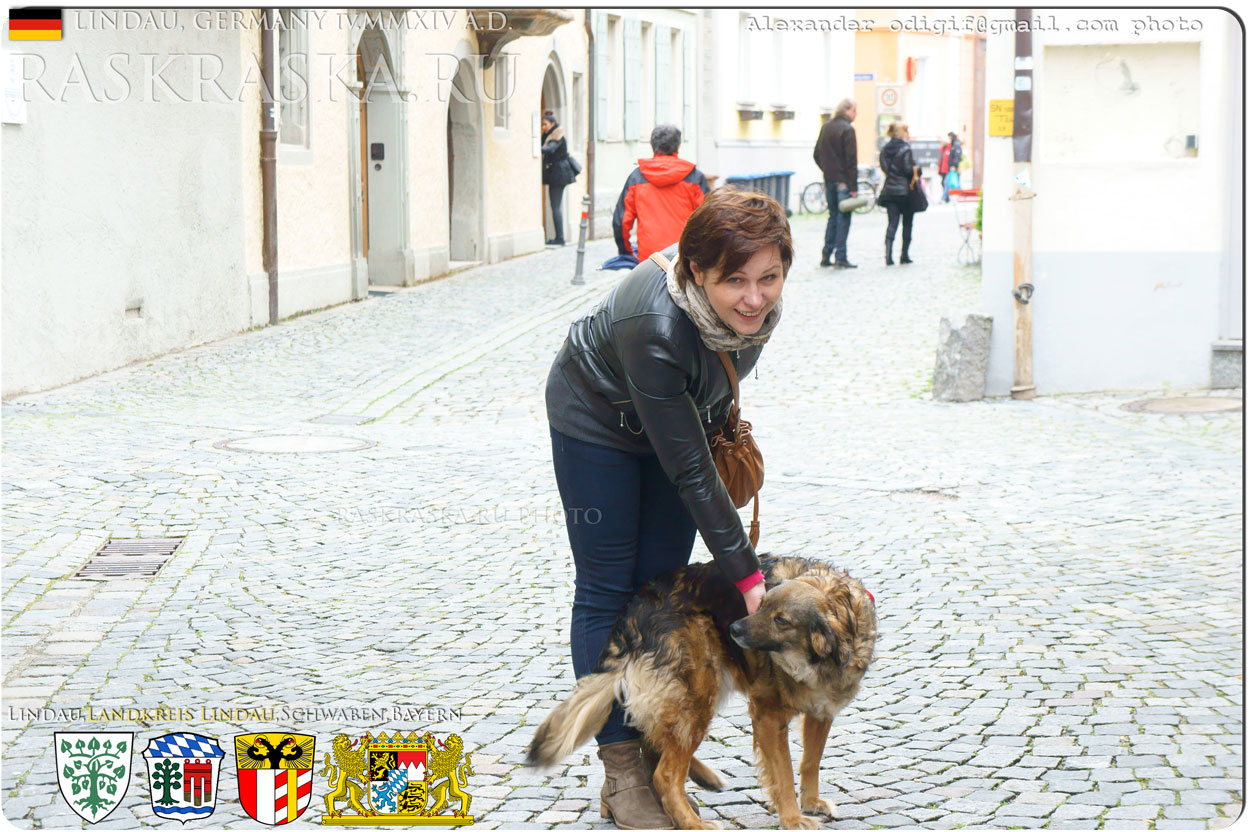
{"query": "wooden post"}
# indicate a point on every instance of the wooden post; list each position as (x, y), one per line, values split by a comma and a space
(1022, 215)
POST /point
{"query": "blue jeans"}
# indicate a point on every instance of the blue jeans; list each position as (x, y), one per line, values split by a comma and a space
(626, 524)
(839, 225)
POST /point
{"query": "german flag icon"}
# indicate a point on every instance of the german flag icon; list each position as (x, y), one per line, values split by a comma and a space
(34, 24)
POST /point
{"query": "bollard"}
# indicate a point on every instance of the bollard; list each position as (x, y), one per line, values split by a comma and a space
(578, 280)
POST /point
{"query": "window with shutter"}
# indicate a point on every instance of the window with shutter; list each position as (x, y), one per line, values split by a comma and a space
(603, 84)
(293, 78)
(687, 113)
(663, 81)
(633, 79)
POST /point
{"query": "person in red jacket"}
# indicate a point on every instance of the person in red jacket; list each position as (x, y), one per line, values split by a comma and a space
(660, 195)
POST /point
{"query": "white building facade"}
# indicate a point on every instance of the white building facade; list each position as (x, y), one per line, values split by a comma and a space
(779, 74)
(1137, 218)
(645, 74)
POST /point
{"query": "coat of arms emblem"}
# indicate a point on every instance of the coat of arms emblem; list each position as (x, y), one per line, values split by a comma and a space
(405, 780)
(182, 771)
(93, 770)
(275, 775)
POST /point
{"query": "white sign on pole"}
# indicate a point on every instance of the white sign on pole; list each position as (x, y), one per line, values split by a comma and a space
(889, 98)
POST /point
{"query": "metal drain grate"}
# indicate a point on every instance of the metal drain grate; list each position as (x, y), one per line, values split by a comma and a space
(139, 557)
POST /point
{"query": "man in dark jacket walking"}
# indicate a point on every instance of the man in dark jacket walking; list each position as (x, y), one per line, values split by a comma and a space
(660, 195)
(836, 155)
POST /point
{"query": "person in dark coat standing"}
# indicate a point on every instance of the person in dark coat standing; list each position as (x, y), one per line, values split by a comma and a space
(896, 194)
(837, 155)
(557, 172)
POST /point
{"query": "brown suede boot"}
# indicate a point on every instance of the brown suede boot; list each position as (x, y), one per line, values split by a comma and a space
(628, 796)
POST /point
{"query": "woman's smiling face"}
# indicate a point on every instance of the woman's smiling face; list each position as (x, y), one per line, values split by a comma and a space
(743, 298)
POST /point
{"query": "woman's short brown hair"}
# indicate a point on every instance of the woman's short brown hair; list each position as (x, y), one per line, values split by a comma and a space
(728, 228)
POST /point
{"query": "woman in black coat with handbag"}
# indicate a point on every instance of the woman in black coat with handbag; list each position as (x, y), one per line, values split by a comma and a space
(558, 172)
(900, 194)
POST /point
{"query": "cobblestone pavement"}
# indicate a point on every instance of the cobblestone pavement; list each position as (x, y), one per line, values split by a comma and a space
(1058, 581)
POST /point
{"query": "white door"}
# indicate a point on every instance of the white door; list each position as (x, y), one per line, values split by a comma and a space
(382, 155)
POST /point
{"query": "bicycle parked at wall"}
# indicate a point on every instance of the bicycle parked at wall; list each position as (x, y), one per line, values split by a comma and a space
(813, 200)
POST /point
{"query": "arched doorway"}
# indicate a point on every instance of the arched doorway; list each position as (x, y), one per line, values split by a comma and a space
(382, 232)
(464, 169)
(553, 99)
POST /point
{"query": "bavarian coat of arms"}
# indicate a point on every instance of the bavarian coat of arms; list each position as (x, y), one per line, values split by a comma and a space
(275, 775)
(182, 771)
(404, 780)
(93, 770)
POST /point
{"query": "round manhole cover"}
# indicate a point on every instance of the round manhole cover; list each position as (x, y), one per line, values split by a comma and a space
(293, 444)
(1185, 404)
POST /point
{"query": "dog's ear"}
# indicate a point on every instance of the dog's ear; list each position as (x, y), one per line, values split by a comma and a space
(825, 643)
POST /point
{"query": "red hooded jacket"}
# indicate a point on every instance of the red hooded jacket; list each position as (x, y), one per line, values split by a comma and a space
(660, 195)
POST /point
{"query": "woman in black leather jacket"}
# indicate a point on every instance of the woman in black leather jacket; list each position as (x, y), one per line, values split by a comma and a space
(896, 193)
(631, 398)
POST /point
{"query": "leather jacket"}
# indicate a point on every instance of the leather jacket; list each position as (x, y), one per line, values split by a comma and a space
(836, 152)
(898, 166)
(642, 375)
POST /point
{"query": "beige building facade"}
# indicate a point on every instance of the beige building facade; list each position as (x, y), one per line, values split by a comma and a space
(408, 147)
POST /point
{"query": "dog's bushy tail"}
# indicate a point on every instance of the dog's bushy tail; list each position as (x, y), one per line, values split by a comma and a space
(574, 720)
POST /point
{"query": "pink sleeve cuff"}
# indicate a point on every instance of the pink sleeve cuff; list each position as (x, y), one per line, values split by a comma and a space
(749, 581)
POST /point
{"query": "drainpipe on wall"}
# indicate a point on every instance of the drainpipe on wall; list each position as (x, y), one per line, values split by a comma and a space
(269, 161)
(590, 126)
(1022, 244)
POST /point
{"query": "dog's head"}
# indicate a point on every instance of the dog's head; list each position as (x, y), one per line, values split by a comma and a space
(812, 623)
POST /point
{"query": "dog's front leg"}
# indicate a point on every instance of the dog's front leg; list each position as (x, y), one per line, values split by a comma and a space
(772, 747)
(815, 732)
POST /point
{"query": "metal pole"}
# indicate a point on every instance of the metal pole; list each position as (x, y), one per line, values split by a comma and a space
(578, 280)
(269, 160)
(1022, 245)
(591, 81)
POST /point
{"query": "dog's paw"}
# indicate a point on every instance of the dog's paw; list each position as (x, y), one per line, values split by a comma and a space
(818, 806)
(800, 822)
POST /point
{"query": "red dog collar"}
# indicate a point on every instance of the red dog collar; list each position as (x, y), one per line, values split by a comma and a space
(870, 597)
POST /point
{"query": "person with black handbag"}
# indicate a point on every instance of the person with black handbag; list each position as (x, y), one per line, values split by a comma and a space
(902, 194)
(559, 171)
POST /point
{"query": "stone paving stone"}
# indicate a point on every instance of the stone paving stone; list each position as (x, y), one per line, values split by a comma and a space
(999, 664)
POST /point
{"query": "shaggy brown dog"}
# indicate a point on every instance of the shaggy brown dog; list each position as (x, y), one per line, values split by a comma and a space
(683, 645)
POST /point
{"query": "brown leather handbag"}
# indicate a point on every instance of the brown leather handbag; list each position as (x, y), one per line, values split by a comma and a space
(734, 451)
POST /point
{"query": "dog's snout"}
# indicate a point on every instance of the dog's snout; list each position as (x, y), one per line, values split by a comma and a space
(737, 629)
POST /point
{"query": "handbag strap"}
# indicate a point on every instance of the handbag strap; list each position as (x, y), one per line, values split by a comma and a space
(660, 260)
(754, 534)
(733, 375)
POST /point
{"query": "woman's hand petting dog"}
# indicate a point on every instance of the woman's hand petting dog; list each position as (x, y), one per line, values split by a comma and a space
(753, 596)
